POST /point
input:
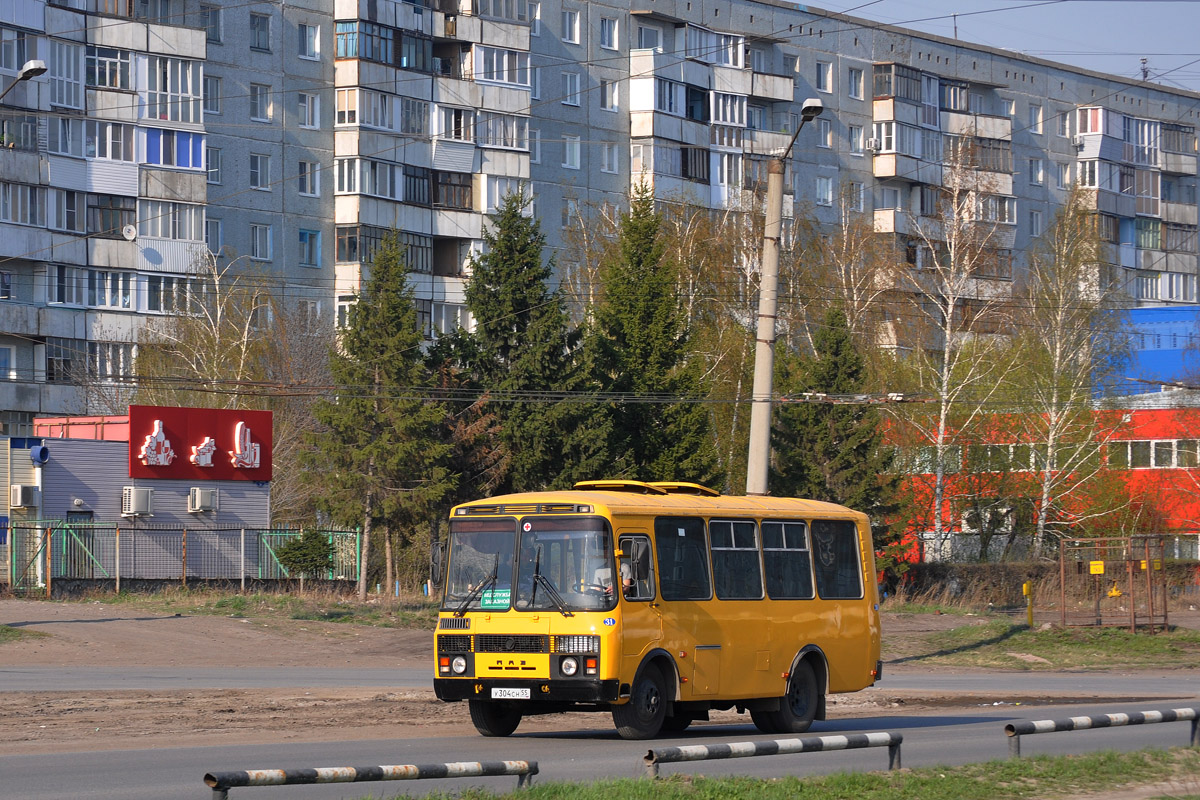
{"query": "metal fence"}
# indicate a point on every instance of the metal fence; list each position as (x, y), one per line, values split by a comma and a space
(962, 548)
(46, 550)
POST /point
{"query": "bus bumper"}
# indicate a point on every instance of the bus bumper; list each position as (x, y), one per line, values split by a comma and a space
(556, 691)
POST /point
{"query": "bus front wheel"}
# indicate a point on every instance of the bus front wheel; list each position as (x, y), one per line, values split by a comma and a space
(642, 717)
(797, 709)
(493, 719)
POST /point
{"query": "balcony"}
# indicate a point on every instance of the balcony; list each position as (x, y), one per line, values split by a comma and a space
(1177, 163)
(772, 87)
(766, 143)
(1106, 202)
(892, 220)
(1179, 213)
(984, 126)
(906, 168)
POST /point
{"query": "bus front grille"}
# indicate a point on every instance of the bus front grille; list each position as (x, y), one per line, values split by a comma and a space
(454, 643)
(500, 643)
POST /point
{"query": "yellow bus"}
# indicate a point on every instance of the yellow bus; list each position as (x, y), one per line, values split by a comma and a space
(657, 602)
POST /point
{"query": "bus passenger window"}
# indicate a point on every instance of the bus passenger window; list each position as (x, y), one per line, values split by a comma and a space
(635, 562)
(835, 551)
(736, 573)
(682, 558)
(786, 559)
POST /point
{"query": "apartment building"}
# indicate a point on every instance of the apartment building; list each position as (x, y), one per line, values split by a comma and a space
(284, 139)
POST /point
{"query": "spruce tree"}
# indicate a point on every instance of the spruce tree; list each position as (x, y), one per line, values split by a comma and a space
(526, 354)
(659, 431)
(834, 451)
(381, 452)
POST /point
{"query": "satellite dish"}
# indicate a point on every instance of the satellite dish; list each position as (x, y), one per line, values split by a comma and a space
(129, 232)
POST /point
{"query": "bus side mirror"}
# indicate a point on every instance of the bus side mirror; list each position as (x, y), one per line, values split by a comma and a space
(437, 563)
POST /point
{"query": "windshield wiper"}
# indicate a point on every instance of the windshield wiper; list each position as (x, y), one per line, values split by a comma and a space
(478, 590)
(538, 577)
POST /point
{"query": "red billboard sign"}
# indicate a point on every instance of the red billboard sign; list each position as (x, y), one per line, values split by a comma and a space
(212, 444)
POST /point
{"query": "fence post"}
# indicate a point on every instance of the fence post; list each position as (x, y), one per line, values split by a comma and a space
(49, 560)
(1196, 732)
(117, 548)
(183, 570)
(1014, 746)
(243, 569)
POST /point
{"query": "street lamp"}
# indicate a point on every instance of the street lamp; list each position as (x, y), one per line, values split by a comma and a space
(768, 299)
(32, 69)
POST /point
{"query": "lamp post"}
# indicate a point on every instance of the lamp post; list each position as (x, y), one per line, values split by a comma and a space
(768, 298)
(30, 70)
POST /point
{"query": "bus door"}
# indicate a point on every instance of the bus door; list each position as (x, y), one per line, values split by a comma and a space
(641, 620)
(685, 587)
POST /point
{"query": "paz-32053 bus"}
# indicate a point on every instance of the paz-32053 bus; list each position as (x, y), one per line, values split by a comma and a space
(656, 602)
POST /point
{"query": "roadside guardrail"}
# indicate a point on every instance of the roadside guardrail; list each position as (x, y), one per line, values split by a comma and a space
(776, 747)
(1015, 730)
(222, 782)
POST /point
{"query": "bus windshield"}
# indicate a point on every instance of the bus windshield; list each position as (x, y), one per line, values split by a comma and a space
(557, 564)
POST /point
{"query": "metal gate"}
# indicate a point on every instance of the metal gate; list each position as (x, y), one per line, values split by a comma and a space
(1114, 582)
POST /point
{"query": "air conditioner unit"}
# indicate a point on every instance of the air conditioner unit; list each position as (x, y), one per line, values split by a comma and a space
(873, 145)
(22, 496)
(1077, 140)
(201, 500)
(137, 501)
(451, 26)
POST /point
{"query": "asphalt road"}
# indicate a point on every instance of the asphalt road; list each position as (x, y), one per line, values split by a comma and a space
(1003, 684)
(955, 737)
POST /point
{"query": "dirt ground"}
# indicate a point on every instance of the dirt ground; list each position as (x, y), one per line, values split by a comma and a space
(93, 634)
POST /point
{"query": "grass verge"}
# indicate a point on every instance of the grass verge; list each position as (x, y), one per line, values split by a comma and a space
(386, 612)
(1177, 771)
(10, 634)
(999, 644)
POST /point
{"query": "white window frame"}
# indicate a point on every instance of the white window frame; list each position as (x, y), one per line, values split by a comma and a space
(856, 139)
(212, 164)
(609, 155)
(260, 102)
(609, 27)
(570, 89)
(256, 33)
(608, 96)
(824, 134)
(535, 18)
(260, 172)
(260, 242)
(213, 235)
(212, 95)
(855, 77)
(309, 110)
(570, 26)
(308, 246)
(1037, 172)
(823, 190)
(1035, 118)
(308, 45)
(308, 179)
(571, 152)
(824, 81)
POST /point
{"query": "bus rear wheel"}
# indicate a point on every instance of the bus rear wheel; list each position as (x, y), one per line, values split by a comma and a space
(642, 717)
(493, 719)
(797, 709)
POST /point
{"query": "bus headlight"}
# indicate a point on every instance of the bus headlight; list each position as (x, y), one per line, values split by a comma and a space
(569, 666)
(459, 665)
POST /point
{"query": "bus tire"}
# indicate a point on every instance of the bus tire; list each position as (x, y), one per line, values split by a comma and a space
(798, 708)
(493, 719)
(642, 717)
(765, 720)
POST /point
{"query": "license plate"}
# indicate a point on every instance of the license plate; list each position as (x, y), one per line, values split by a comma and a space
(510, 694)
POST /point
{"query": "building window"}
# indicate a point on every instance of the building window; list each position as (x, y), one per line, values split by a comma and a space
(66, 74)
(608, 157)
(824, 76)
(174, 148)
(260, 242)
(310, 248)
(452, 190)
(508, 131)
(64, 359)
(1035, 119)
(347, 107)
(210, 20)
(260, 172)
(308, 179)
(608, 95)
(1063, 175)
(570, 88)
(212, 236)
(824, 190)
(535, 19)
(570, 152)
(854, 134)
(502, 66)
(608, 33)
(1035, 171)
(173, 89)
(456, 123)
(824, 133)
(13, 49)
(260, 102)
(308, 106)
(649, 38)
(1035, 224)
(854, 77)
(414, 116)
(108, 68)
(570, 26)
(1181, 286)
(535, 147)
(65, 136)
(260, 32)
(212, 94)
(67, 210)
(570, 212)
(8, 360)
(164, 219)
(855, 195)
(535, 86)
(212, 160)
(1063, 119)
(107, 215)
(309, 44)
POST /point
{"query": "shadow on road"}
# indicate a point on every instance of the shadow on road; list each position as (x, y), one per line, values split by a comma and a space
(78, 621)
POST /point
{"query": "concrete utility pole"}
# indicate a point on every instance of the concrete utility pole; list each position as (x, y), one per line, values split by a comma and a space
(768, 299)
